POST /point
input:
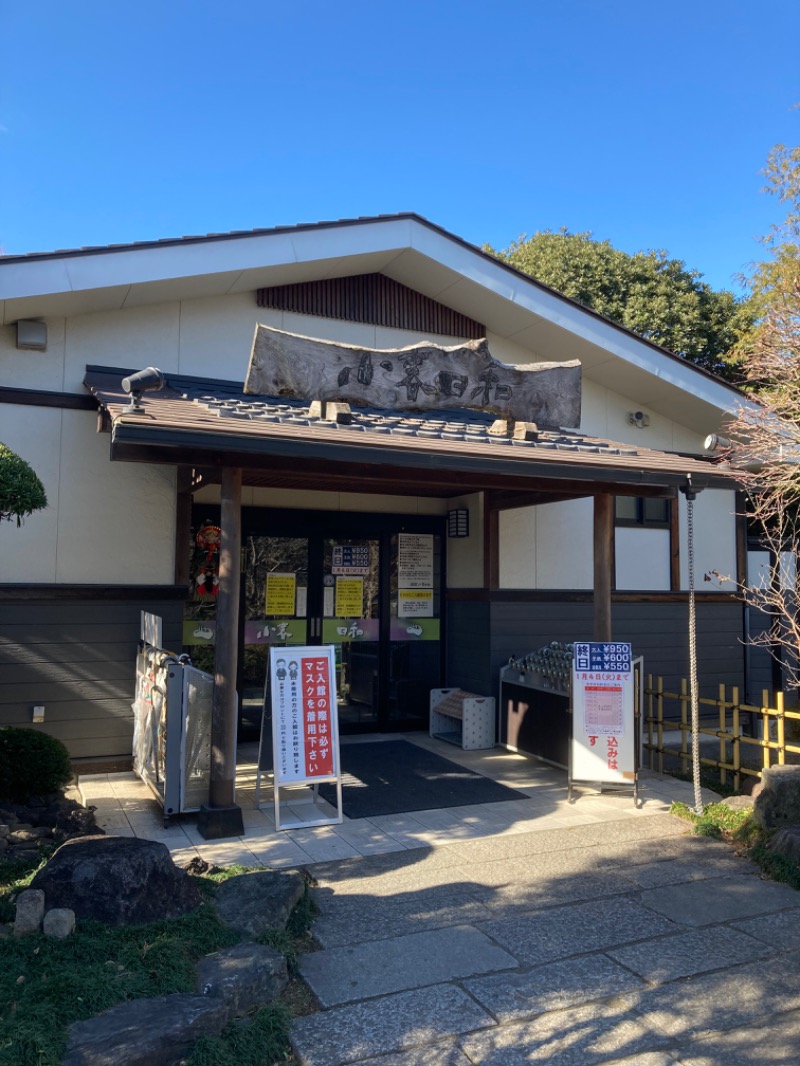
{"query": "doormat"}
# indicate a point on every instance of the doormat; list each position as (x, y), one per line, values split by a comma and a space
(395, 776)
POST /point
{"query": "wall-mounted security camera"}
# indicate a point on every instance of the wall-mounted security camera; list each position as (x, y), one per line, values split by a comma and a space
(148, 380)
(638, 418)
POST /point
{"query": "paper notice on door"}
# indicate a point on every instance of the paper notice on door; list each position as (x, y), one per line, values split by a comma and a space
(415, 603)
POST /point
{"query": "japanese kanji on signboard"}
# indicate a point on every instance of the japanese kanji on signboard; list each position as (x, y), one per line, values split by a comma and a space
(603, 742)
(304, 714)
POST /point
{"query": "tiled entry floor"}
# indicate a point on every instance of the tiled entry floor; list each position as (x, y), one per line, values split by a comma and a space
(125, 806)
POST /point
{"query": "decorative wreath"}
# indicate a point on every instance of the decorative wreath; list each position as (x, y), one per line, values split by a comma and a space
(208, 538)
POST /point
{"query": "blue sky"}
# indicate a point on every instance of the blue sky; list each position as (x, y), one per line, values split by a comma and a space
(646, 123)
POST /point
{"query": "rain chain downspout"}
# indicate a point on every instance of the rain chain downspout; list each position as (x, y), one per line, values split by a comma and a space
(690, 493)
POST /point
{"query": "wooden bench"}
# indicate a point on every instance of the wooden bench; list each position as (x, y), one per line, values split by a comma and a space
(462, 718)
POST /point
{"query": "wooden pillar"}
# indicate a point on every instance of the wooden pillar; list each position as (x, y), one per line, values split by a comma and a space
(183, 525)
(222, 817)
(603, 564)
(491, 542)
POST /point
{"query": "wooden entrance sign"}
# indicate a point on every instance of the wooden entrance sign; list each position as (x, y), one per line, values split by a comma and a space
(421, 377)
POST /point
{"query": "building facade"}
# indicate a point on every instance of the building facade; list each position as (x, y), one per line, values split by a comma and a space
(134, 499)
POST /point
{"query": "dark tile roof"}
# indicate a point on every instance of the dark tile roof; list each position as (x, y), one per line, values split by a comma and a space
(220, 416)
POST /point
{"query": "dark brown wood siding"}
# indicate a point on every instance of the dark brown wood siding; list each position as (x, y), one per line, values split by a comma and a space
(657, 631)
(77, 657)
(370, 298)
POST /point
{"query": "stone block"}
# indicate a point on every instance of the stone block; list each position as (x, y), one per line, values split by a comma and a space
(59, 923)
(29, 913)
(145, 1032)
(389, 1024)
(394, 964)
(245, 976)
(777, 804)
(254, 902)
(723, 899)
(787, 842)
(117, 880)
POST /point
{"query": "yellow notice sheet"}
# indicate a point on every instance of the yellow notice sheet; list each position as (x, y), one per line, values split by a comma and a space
(349, 597)
(281, 594)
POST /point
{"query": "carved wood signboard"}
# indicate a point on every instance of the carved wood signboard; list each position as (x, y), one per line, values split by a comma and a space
(421, 377)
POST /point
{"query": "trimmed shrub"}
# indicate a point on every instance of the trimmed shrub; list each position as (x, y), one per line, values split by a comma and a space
(31, 764)
(21, 491)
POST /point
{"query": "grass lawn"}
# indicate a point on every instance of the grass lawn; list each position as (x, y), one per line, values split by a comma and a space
(47, 984)
(740, 829)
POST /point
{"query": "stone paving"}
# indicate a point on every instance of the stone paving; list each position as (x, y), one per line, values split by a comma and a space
(520, 932)
(125, 806)
(625, 942)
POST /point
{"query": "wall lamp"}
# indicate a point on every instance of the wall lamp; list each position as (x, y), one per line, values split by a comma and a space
(149, 380)
(458, 522)
(715, 443)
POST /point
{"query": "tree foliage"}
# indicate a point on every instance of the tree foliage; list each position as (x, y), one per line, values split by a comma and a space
(655, 296)
(766, 431)
(21, 491)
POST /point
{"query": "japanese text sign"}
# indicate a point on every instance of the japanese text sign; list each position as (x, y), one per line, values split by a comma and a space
(304, 714)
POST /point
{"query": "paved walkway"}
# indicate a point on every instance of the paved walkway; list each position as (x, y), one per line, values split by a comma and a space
(520, 932)
(125, 806)
(624, 942)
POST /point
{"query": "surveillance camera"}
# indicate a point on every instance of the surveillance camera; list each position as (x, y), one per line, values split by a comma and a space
(638, 418)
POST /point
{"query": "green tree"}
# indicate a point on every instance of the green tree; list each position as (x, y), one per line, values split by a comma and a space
(655, 296)
(21, 491)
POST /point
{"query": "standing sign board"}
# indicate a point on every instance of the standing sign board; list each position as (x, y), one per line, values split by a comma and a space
(305, 731)
(603, 746)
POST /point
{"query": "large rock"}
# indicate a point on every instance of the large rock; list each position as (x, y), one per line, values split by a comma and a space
(145, 1032)
(116, 880)
(252, 903)
(777, 804)
(29, 912)
(245, 976)
(59, 923)
(787, 842)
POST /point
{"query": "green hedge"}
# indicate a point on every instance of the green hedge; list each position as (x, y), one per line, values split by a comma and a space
(31, 764)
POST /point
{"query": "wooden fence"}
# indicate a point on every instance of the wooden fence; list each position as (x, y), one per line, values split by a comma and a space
(750, 738)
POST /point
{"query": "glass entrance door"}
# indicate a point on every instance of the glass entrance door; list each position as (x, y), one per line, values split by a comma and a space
(368, 585)
(351, 622)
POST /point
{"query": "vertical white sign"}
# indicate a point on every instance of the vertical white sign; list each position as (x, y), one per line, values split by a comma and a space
(305, 725)
(602, 749)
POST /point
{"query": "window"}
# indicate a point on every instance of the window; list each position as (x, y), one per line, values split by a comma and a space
(642, 511)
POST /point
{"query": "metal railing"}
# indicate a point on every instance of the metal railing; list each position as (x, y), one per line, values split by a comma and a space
(750, 738)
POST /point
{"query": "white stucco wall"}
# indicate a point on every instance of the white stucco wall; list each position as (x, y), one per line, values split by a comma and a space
(547, 547)
(106, 523)
(641, 559)
(465, 554)
(714, 538)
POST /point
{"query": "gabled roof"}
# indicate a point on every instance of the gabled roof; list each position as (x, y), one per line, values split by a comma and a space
(214, 423)
(404, 247)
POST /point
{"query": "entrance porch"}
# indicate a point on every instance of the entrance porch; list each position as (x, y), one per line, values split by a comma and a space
(125, 806)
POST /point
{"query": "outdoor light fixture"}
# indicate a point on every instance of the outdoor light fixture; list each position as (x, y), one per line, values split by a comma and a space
(715, 443)
(149, 380)
(458, 522)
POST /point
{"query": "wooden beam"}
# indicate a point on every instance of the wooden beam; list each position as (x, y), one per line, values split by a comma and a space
(674, 546)
(741, 540)
(603, 564)
(223, 707)
(491, 542)
(183, 526)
